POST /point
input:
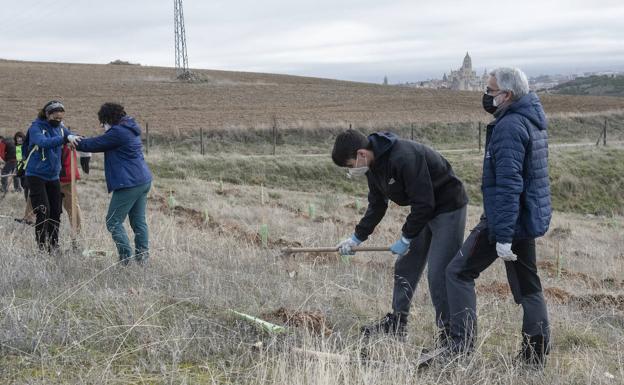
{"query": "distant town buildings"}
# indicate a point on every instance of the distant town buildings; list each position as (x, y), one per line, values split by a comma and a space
(465, 79)
(462, 79)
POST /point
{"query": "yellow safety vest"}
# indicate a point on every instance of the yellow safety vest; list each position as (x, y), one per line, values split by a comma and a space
(18, 153)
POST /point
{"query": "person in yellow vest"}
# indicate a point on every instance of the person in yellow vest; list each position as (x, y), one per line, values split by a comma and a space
(29, 214)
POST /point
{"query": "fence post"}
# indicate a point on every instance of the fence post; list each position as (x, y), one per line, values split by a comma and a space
(147, 138)
(274, 134)
(480, 128)
(412, 136)
(604, 136)
(601, 136)
(201, 140)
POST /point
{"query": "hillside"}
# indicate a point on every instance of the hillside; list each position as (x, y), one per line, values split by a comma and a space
(73, 319)
(218, 223)
(238, 100)
(593, 85)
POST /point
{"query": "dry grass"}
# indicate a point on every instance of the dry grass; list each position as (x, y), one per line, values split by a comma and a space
(78, 320)
(240, 101)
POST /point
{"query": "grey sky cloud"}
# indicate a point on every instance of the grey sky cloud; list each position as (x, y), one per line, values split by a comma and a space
(349, 39)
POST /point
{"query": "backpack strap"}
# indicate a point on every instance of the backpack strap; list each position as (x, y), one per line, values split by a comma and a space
(25, 163)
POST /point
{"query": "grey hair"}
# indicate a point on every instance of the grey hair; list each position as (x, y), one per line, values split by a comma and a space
(511, 80)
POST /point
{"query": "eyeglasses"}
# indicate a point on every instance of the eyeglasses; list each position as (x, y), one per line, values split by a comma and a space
(493, 92)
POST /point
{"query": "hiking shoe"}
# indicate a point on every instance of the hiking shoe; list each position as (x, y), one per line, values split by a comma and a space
(394, 324)
(533, 352)
(443, 339)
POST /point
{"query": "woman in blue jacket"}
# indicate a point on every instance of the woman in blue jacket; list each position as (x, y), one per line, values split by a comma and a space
(45, 137)
(127, 177)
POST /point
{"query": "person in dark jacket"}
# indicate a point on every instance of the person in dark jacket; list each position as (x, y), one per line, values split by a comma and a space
(127, 177)
(410, 174)
(10, 163)
(46, 136)
(516, 201)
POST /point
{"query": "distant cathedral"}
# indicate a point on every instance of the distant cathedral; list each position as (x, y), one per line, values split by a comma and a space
(465, 79)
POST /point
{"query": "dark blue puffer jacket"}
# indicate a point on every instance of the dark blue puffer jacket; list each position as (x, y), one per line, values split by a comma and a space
(515, 185)
(124, 165)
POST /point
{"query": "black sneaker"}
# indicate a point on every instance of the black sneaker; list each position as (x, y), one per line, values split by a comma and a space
(533, 352)
(394, 324)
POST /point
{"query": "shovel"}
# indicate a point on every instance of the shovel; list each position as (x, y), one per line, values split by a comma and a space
(293, 250)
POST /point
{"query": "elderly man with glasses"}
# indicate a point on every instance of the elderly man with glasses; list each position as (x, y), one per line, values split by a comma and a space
(517, 209)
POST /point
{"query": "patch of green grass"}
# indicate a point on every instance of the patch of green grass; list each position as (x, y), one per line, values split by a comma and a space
(569, 339)
(583, 180)
(588, 180)
(291, 173)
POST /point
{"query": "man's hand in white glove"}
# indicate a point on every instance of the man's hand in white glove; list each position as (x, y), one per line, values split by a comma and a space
(504, 252)
(73, 139)
(344, 247)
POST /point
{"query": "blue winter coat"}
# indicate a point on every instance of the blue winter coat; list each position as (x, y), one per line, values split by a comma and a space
(515, 185)
(45, 162)
(124, 165)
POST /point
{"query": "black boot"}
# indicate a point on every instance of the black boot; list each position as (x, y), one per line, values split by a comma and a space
(392, 323)
(443, 339)
(534, 350)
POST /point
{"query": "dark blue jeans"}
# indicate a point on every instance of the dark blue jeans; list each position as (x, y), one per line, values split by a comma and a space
(129, 202)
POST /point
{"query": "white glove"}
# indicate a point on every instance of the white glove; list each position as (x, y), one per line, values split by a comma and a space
(344, 247)
(73, 139)
(504, 252)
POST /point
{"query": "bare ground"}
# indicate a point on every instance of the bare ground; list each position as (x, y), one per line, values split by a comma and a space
(236, 100)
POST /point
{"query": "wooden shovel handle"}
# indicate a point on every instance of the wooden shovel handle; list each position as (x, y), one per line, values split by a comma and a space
(292, 250)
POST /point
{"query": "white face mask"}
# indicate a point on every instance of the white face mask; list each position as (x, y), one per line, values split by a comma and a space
(494, 102)
(356, 171)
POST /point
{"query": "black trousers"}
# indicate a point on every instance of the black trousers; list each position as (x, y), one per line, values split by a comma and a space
(47, 201)
(24, 184)
(476, 255)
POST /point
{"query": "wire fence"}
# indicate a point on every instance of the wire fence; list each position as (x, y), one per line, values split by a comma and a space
(465, 136)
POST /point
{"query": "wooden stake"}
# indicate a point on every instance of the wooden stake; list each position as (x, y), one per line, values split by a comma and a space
(72, 166)
(558, 258)
(480, 136)
(201, 140)
(147, 138)
(274, 134)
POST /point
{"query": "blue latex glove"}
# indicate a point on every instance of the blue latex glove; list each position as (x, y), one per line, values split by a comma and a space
(401, 247)
(345, 246)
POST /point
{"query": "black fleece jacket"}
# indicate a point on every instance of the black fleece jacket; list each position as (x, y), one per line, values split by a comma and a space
(409, 174)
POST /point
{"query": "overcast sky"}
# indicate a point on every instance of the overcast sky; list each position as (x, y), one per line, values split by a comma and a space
(359, 40)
